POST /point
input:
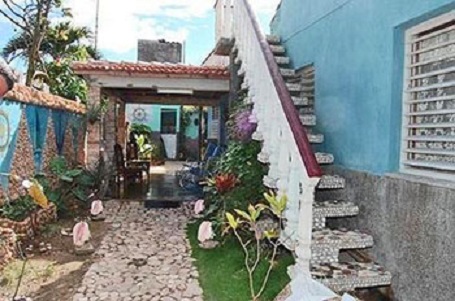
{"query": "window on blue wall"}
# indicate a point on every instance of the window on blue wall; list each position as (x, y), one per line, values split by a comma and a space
(428, 140)
(168, 121)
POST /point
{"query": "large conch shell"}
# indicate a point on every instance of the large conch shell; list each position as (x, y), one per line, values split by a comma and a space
(96, 208)
(205, 232)
(81, 234)
(199, 207)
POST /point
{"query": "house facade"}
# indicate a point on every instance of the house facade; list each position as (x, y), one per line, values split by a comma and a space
(383, 84)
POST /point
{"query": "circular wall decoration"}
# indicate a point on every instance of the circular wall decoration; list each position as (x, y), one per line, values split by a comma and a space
(4, 131)
(139, 114)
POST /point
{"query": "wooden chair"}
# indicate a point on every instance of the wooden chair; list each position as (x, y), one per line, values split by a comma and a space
(125, 170)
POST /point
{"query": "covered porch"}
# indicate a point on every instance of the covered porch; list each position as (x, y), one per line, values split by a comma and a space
(124, 93)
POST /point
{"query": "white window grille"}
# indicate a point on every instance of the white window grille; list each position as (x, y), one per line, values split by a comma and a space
(428, 145)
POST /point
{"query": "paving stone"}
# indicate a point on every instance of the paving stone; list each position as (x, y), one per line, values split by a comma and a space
(144, 257)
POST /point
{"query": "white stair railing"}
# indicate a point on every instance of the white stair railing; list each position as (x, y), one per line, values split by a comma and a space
(293, 167)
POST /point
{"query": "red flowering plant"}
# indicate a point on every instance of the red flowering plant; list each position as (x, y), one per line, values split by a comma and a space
(218, 188)
(225, 182)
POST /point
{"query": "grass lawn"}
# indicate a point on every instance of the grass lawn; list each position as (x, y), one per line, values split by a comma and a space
(223, 276)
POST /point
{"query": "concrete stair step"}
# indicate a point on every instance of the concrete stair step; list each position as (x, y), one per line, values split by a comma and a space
(325, 158)
(282, 60)
(308, 120)
(294, 87)
(306, 111)
(271, 39)
(316, 138)
(285, 72)
(301, 101)
(331, 182)
(278, 49)
(326, 243)
(345, 277)
(334, 208)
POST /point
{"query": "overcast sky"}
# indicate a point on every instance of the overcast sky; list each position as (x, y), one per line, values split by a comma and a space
(123, 22)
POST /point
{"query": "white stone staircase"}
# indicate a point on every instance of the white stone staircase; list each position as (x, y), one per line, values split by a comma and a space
(284, 110)
(327, 243)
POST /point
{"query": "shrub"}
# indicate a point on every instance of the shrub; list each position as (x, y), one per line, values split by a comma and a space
(20, 209)
(65, 185)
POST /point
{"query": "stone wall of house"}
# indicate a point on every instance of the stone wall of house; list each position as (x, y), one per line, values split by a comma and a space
(110, 128)
(93, 129)
(412, 220)
(159, 51)
(7, 246)
(20, 151)
(121, 125)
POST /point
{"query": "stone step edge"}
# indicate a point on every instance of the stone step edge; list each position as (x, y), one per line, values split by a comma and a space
(272, 39)
(335, 211)
(325, 158)
(356, 282)
(356, 242)
(331, 182)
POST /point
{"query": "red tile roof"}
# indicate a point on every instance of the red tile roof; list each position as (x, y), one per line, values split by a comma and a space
(150, 69)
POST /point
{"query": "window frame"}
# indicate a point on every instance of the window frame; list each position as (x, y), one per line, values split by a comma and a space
(407, 96)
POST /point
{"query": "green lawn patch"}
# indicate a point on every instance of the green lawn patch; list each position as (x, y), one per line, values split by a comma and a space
(223, 276)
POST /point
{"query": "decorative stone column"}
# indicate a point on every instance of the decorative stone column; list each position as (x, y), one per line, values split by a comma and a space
(93, 129)
(110, 128)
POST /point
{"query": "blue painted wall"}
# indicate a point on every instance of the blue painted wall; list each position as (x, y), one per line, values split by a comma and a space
(152, 115)
(357, 49)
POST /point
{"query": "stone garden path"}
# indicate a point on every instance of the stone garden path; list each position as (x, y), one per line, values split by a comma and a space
(144, 257)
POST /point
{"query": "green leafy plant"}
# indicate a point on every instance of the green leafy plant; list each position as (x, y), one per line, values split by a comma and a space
(64, 82)
(71, 184)
(95, 111)
(248, 221)
(99, 175)
(145, 149)
(141, 129)
(240, 159)
(20, 209)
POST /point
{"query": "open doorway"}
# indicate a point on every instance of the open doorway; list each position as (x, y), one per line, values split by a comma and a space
(168, 136)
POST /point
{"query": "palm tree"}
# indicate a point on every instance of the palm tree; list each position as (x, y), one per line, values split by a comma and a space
(62, 40)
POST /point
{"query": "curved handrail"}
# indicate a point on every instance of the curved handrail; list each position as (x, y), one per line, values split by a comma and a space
(292, 115)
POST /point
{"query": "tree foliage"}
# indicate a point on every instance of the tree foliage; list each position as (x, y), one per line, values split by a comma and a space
(63, 40)
(31, 17)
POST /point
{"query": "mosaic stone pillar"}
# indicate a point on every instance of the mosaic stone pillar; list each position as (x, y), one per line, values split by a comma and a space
(7, 246)
(110, 128)
(23, 163)
(93, 129)
(49, 151)
(68, 149)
